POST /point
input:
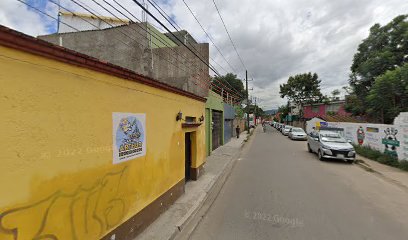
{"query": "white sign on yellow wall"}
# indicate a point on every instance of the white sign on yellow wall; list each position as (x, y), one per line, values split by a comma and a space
(129, 136)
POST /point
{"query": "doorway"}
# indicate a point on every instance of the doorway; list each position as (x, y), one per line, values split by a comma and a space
(216, 129)
(188, 154)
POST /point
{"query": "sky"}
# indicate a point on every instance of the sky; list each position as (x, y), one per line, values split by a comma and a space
(275, 38)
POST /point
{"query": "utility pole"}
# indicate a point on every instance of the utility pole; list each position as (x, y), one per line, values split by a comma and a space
(246, 81)
(255, 112)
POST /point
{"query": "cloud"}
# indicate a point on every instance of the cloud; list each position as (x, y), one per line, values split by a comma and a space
(276, 39)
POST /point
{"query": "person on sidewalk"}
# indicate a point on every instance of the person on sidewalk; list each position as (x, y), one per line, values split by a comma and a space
(237, 130)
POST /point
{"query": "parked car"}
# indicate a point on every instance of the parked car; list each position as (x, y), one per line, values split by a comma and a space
(282, 127)
(286, 129)
(297, 134)
(330, 144)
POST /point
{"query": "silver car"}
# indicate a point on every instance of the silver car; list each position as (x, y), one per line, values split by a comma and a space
(329, 144)
(297, 134)
(286, 129)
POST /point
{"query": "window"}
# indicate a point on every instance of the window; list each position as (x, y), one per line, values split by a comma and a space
(332, 108)
(190, 119)
(315, 108)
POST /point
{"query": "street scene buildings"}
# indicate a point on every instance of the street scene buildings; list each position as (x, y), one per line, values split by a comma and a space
(118, 124)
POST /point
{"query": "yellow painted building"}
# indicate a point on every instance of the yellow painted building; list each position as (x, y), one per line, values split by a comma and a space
(57, 176)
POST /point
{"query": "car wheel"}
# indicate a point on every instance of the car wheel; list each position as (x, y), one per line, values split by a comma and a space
(308, 148)
(320, 155)
(350, 161)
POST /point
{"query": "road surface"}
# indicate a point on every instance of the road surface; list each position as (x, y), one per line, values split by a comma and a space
(278, 190)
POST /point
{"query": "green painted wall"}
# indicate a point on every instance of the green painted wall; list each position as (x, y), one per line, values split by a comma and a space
(214, 102)
(208, 120)
(158, 39)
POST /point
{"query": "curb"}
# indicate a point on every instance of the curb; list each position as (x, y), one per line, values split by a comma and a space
(364, 166)
(187, 225)
(367, 167)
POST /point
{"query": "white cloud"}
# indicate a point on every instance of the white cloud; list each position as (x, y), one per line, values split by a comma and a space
(276, 39)
(15, 15)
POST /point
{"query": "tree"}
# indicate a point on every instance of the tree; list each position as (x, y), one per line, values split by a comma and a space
(335, 93)
(388, 95)
(284, 111)
(383, 50)
(302, 89)
(255, 109)
(233, 83)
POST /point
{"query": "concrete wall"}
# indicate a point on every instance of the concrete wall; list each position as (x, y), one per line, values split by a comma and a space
(131, 47)
(180, 68)
(57, 176)
(390, 139)
(110, 45)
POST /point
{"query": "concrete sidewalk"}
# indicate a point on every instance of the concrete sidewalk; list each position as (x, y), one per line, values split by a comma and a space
(177, 217)
(394, 175)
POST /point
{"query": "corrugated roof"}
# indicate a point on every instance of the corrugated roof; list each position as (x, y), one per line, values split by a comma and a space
(82, 15)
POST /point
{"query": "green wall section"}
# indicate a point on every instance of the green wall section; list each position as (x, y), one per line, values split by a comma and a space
(158, 39)
(214, 102)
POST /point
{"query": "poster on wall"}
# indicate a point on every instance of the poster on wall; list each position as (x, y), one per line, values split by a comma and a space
(129, 136)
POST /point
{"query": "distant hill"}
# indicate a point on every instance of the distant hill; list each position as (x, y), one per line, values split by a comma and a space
(271, 112)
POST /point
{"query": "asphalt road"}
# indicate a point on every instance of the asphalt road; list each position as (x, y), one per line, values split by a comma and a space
(278, 190)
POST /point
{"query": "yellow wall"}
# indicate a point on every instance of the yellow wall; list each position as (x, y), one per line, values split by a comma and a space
(56, 173)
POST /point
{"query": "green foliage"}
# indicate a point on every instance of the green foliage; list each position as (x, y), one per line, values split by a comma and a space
(230, 81)
(239, 112)
(284, 111)
(383, 50)
(302, 88)
(389, 95)
(331, 113)
(381, 157)
(255, 109)
(334, 96)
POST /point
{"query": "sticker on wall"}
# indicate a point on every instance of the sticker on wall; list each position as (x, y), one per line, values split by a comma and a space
(129, 136)
(391, 142)
(360, 135)
(373, 129)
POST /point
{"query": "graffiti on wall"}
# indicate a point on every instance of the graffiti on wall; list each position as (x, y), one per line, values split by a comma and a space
(390, 139)
(391, 142)
(87, 212)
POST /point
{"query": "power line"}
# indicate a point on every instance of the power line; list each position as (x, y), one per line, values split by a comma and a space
(210, 83)
(139, 20)
(163, 15)
(219, 51)
(164, 43)
(168, 30)
(168, 19)
(93, 14)
(46, 14)
(232, 42)
(139, 33)
(209, 38)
